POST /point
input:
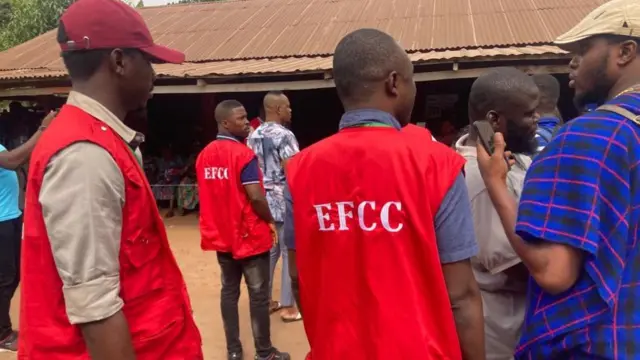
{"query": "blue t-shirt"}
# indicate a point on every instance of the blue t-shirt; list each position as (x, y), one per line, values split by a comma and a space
(9, 193)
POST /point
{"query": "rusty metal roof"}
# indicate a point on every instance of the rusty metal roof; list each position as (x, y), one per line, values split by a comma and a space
(272, 36)
(294, 64)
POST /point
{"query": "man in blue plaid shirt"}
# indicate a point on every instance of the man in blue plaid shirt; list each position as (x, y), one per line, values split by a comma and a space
(579, 215)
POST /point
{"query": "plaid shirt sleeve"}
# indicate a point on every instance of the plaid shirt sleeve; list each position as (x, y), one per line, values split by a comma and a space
(560, 201)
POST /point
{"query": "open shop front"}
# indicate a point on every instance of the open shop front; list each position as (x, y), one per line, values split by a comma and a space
(180, 120)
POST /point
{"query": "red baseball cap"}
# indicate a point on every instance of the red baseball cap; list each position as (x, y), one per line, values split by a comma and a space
(109, 24)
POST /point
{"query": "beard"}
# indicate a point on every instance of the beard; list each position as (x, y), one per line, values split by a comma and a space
(599, 91)
(519, 140)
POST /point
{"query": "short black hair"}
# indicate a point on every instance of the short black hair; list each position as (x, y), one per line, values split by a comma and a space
(273, 96)
(549, 88)
(364, 57)
(83, 64)
(224, 109)
(490, 90)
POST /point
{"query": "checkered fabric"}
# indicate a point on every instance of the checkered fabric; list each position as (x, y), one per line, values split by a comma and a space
(583, 190)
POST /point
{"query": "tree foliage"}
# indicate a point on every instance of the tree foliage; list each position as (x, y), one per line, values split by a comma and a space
(21, 20)
(140, 4)
(30, 18)
(5, 12)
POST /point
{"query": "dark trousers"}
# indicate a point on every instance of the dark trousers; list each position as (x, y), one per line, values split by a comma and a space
(10, 241)
(256, 275)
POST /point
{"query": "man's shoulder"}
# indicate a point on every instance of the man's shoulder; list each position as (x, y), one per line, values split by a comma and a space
(2, 148)
(473, 177)
(600, 123)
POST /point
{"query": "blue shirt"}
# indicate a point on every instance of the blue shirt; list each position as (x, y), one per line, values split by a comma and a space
(250, 173)
(546, 127)
(9, 193)
(453, 222)
(583, 190)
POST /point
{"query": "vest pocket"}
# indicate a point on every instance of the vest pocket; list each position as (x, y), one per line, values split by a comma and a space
(142, 272)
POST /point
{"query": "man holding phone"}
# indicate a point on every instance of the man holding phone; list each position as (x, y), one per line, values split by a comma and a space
(577, 221)
(502, 100)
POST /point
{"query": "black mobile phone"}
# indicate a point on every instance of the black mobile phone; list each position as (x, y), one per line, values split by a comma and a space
(484, 133)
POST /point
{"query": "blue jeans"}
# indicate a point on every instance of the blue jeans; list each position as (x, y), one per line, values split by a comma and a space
(286, 295)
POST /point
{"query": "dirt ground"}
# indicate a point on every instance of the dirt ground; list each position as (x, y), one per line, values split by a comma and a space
(202, 274)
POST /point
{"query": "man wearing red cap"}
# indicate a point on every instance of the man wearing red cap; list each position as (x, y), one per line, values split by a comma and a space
(99, 280)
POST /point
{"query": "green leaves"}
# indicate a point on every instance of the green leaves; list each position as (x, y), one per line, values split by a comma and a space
(22, 20)
(30, 18)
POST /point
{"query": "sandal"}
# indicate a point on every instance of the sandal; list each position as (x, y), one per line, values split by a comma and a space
(274, 306)
(290, 319)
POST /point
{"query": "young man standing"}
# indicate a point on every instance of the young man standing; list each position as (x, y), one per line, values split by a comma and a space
(506, 98)
(99, 280)
(577, 222)
(11, 230)
(235, 221)
(550, 119)
(382, 222)
(275, 144)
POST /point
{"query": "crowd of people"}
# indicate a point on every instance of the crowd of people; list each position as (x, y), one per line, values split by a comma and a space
(394, 245)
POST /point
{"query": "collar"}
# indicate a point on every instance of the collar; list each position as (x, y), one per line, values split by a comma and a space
(463, 149)
(366, 116)
(98, 111)
(225, 137)
(272, 123)
(548, 120)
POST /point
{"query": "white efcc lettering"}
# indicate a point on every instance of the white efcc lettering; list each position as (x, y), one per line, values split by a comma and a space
(213, 173)
(345, 211)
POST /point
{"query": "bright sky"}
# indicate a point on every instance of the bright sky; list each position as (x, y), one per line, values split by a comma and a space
(155, 2)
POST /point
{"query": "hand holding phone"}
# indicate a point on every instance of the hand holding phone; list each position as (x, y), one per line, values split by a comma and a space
(484, 135)
(483, 132)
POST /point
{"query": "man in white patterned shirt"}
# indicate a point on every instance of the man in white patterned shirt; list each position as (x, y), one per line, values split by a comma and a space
(275, 144)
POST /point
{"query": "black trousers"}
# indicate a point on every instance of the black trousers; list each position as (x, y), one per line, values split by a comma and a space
(10, 243)
(256, 275)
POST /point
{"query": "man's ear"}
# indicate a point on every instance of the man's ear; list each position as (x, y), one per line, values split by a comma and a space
(117, 60)
(391, 84)
(628, 52)
(494, 119)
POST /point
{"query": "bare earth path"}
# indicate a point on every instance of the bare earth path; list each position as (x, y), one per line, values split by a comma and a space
(202, 274)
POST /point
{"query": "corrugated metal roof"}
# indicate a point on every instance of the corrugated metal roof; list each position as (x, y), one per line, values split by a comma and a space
(294, 64)
(258, 29)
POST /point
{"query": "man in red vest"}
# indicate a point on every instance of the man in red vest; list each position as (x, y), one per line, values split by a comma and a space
(99, 279)
(235, 221)
(382, 224)
(419, 132)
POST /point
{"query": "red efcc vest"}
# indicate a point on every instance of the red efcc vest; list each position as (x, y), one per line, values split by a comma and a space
(415, 130)
(227, 220)
(371, 282)
(156, 304)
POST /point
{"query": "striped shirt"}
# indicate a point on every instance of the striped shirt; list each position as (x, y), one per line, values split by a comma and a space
(583, 190)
